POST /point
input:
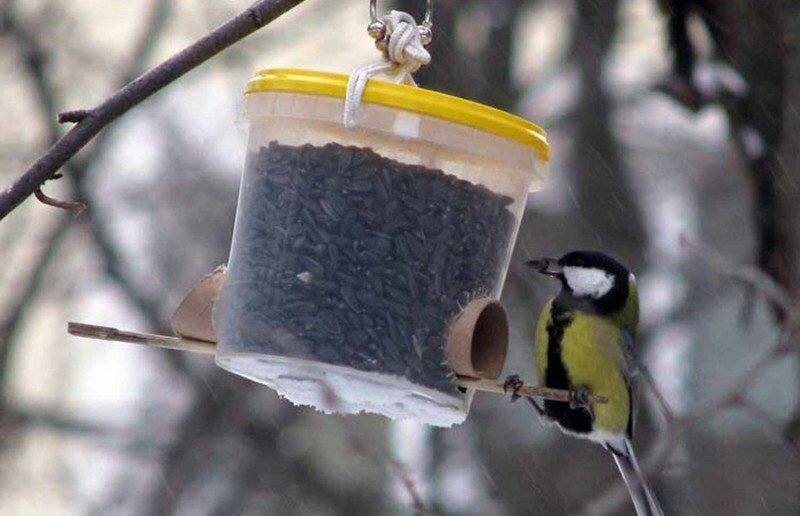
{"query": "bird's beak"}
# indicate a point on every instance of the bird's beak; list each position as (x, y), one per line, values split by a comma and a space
(548, 266)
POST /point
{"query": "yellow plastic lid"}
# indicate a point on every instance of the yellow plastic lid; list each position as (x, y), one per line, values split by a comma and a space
(408, 98)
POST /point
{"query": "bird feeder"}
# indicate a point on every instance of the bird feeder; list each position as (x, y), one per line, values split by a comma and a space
(366, 261)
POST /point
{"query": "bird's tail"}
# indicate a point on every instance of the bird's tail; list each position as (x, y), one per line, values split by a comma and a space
(644, 501)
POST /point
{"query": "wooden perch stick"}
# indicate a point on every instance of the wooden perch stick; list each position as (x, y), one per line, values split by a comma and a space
(91, 331)
(531, 391)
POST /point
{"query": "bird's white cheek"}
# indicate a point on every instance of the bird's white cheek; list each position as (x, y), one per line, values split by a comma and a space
(587, 282)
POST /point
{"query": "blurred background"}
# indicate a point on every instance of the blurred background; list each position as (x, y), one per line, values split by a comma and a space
(670, 121)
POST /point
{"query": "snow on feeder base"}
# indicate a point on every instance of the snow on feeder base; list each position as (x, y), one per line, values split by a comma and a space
(356, 251)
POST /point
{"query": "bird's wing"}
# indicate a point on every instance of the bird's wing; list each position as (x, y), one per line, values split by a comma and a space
(542, 341)
(631, 368)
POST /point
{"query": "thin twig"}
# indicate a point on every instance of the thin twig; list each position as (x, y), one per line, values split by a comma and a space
(255, 17)
(74, 116)
(76, 207)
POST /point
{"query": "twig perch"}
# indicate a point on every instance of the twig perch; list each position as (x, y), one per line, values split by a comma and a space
(531, 391)
(91, 331)
(208, 348)
(255, 17)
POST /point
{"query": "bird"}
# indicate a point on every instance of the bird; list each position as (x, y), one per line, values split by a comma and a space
(585, 340)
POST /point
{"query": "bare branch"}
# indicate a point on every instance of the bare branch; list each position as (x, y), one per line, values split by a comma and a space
(256, 16)
(76, 207)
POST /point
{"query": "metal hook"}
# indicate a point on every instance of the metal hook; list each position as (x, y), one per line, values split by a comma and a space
(377, 30)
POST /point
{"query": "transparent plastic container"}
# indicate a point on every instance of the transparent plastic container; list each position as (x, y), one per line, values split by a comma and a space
(355, 249)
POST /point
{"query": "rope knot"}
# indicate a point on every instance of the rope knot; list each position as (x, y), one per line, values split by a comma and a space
(403, 54)
(402, 42)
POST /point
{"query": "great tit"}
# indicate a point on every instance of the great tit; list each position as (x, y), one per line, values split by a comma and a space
(585, 344)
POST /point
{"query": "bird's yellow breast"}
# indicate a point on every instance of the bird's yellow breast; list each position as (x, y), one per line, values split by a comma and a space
(590, 349)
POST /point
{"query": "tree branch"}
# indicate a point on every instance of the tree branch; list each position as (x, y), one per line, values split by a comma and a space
(255, 17)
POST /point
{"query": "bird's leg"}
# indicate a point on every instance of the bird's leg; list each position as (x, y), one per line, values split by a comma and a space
(579, 398)
(515, 383)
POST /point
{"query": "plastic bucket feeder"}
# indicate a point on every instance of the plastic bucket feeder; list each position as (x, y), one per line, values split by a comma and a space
(356, 252)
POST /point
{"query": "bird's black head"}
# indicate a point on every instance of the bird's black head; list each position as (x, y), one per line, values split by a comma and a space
(590, 277)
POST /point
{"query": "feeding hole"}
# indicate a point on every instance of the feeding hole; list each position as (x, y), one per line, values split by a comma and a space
(490, 341)
(479, 340)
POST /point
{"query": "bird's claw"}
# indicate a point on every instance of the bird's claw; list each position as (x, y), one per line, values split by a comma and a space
(514, 383)
(579, 398)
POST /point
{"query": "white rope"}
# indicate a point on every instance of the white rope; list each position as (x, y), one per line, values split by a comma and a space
(404, 54)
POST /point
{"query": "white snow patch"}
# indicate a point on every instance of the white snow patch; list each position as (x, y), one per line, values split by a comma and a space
(336, 389)
(588, 282)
